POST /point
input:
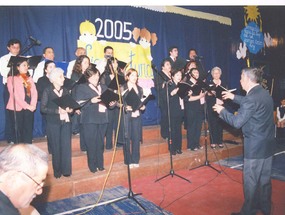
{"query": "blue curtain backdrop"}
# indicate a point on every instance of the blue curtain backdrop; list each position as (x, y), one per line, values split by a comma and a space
(58, 27)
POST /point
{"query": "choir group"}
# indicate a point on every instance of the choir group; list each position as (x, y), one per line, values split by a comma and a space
(96, 100)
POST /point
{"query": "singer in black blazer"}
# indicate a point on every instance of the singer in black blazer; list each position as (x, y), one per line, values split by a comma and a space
(106, 77)
(214, 121)
(162, 78)
(58, 131)
(131, 122)
(176, 109)
(94, 119)
(194, 113)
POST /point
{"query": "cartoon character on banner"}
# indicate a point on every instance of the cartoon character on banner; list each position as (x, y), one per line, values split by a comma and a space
(88, 39)
(146, 39)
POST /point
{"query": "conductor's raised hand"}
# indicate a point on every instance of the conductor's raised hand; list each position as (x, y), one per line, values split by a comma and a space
(227, 95)
(218, 108)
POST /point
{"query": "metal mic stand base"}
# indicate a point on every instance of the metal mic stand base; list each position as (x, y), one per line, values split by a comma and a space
(130, 195)
(207, 163)
(171, 172)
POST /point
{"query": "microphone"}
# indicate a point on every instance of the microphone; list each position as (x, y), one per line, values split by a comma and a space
(198, 57)
(35, 41)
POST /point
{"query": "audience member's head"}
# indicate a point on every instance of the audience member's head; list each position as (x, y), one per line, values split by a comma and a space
(23, 169)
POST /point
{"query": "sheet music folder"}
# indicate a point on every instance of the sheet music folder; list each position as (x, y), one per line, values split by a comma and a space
(219, 89)
(32, 61)
(66, 101)
(183, 89)
(108, 96)
(132, 99)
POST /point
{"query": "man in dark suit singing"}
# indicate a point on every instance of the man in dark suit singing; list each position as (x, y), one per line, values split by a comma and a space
(255, 117)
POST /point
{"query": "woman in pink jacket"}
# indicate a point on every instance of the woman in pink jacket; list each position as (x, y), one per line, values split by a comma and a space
(22, 101)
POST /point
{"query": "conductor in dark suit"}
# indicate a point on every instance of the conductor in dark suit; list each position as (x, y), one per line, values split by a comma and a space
(255, 117)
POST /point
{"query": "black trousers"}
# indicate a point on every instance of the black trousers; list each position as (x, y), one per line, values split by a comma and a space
(59, 138)
(215, 127)
(176, 133)
(25, 123)
(112, 125)
(194, 126)
(257, 186)
(164, 129)
(132, 142)
(94, 138)
(9, 129)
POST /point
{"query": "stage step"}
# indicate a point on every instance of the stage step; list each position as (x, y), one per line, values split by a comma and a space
(155, 160)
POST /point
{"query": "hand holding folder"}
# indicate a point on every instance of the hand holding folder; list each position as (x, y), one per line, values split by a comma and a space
(132, 99)
(66, 101)
(109, 96)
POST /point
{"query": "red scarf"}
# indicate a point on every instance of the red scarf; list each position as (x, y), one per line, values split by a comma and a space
(27, 83)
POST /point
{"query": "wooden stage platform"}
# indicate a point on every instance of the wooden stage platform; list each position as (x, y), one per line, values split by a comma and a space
(155, 160)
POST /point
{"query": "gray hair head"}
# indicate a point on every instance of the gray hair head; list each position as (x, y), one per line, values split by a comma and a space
(23, 157)
(216, 68)
(55, 73)
(254, 74)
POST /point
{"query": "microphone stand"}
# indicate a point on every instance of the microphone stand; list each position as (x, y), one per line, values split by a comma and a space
(27, 48)
(131, 194)
(207, 162)
(14, 103)
(171, 172)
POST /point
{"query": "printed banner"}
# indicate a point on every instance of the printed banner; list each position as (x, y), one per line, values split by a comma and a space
(138, 55)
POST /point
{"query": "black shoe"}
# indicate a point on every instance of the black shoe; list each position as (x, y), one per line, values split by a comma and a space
(57, 175)
(119, 145)
(101, 169)
(93, 171)
(67, 175)
(179, 152)
(173, 153)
